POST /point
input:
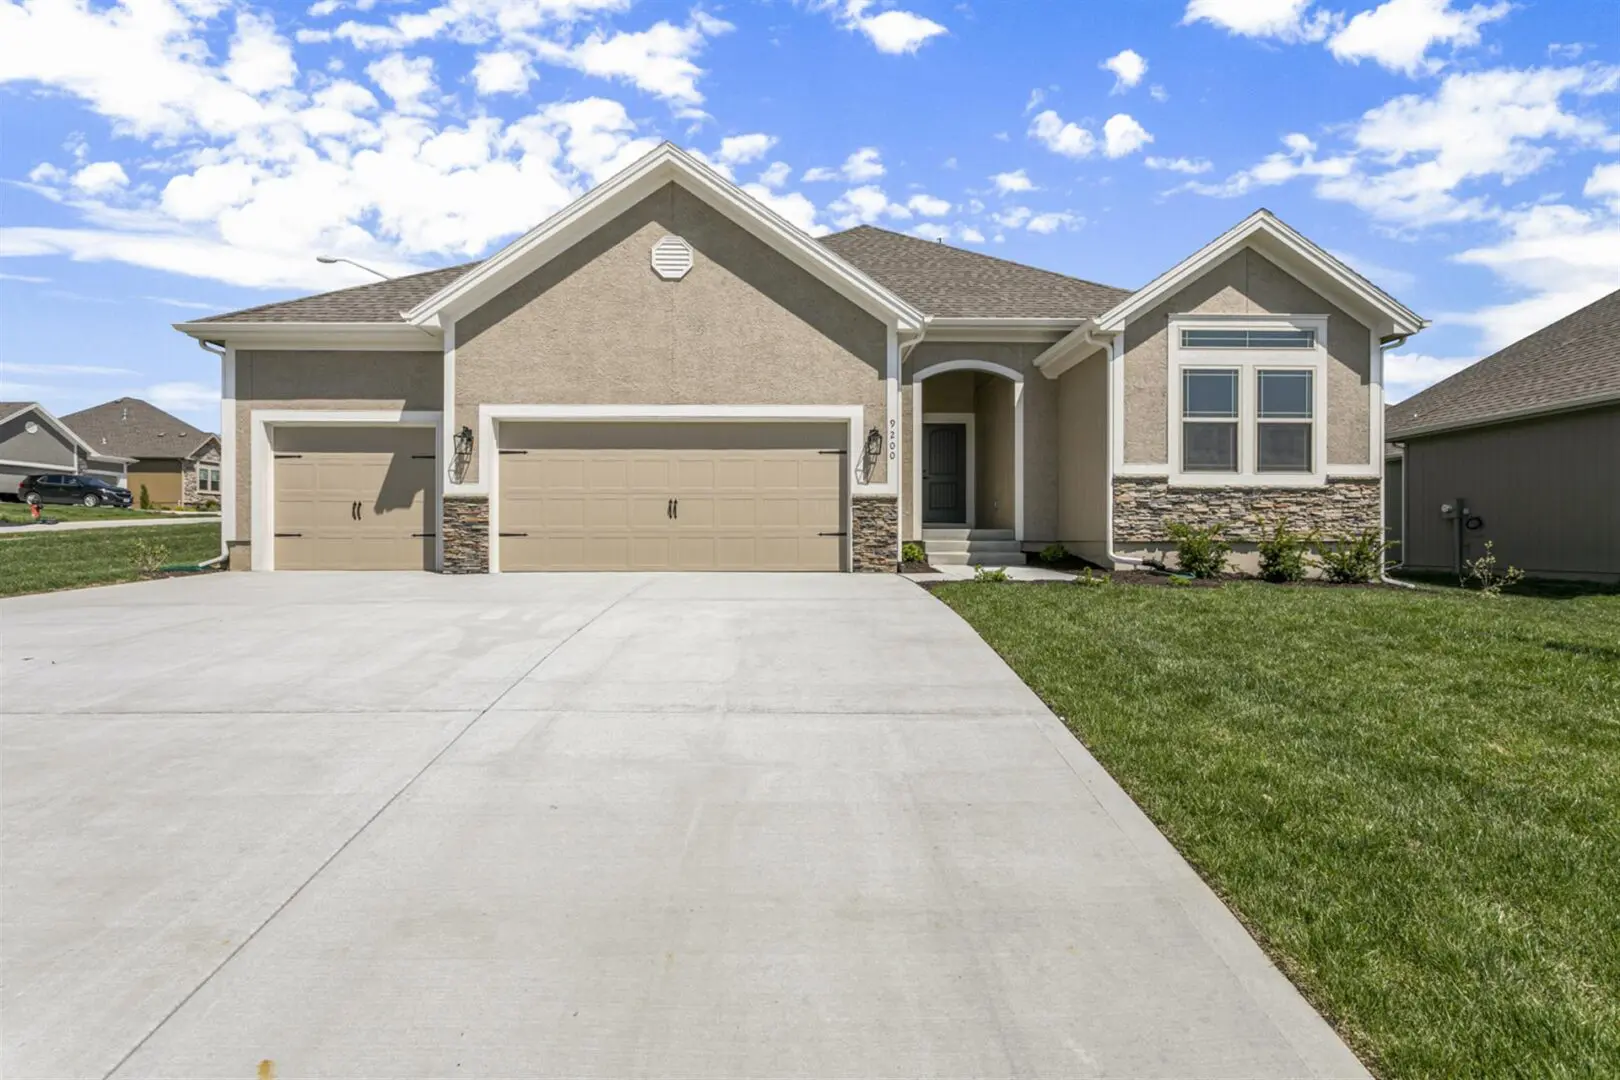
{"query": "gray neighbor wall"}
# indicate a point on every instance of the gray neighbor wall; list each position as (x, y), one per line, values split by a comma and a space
(1547, 491)
(45, 448)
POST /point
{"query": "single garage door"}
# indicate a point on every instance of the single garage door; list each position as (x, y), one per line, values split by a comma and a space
(354, 498)
(671, 496)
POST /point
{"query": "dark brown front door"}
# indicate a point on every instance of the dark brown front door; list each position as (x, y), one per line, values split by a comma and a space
(944, 474)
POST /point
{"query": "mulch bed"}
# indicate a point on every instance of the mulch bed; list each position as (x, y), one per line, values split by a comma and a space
(917, 568)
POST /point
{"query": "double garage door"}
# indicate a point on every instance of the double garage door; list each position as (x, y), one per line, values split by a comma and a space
(654, 496)
(573, 496)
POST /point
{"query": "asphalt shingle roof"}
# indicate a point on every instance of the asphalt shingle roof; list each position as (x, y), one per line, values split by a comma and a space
(949, 282)
(934, 278)
(130, 427)
(1575, 359)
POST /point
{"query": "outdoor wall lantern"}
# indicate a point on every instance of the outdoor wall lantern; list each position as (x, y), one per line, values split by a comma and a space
(462, 444)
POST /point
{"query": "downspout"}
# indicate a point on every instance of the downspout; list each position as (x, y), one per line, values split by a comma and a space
(1114, 557)
(215, 349)
(1394, 341)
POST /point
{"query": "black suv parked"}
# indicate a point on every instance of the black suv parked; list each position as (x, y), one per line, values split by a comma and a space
(84, 490)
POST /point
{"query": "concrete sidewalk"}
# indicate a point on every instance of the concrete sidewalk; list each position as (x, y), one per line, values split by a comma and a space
(585, 825)
(73, 526)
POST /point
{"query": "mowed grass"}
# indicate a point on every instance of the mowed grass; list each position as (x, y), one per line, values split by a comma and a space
(1412, 800)
(16, 511)
(69, 560)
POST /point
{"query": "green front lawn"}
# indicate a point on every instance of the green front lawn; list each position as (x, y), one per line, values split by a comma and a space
(16, 511)
(1413, 800)
(68, 560)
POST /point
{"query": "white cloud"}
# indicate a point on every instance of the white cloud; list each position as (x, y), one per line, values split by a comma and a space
(659, 60)
(1069, 139)
(777, 175)
(1387, 278)
(189, 305)
(184, 397)
(260, 59)
(27, 279)
(1009, 182)
(1013, 217)
(1567, 50)
(502, 72)
(1286, 20)
(932, 230)
(1128, 68)
(1158, 93)
(1122, 136)
(1190, 166)
(1036, 96)
(892, 31)
(1406, 373)
(970, 235)
(1398, 34)
(928, 205)
(1604, 185)
(100, 178)
(791, 205)
(742, 149)
(405, 80)
(864, 164)
(865, 205)
(1052, 221)
(474, 21)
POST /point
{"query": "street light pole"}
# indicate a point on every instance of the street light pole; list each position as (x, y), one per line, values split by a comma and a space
(330, 259)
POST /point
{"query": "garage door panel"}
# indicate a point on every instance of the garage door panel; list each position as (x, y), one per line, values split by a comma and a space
(748, 497)
(354, 499)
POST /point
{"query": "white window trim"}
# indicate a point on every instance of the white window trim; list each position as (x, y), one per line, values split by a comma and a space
(219, 479)
(262, 465)
(1247, 362)
(971, 465)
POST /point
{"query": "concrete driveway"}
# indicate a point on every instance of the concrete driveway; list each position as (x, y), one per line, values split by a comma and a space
(584, 826)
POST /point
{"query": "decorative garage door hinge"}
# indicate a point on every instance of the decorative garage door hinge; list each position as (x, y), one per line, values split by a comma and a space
(422, 536)
(514, 534)
(833, 534)
(290, 534)
(423, 457)
(514, 451)
(280, 456)
(832, 451)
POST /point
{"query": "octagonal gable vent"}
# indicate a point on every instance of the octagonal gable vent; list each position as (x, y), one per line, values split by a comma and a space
(672, 258)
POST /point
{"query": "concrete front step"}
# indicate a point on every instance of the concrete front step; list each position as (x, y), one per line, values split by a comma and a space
(987, 547)
(931, 534)
(976, 557)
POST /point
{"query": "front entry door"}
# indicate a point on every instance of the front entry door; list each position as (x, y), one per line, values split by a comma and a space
(944, 474)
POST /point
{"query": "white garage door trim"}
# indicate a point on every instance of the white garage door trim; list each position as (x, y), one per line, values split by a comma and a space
(853, 417)
(263, 465)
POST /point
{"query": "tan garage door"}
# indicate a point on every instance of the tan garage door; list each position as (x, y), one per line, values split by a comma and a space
(698, 496)
(354, 498)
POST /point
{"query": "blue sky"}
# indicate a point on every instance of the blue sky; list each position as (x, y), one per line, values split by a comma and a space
(165, 159)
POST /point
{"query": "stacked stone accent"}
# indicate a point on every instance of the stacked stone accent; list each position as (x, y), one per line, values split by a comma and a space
(466, 534)
(875, 534)
(1142, 506)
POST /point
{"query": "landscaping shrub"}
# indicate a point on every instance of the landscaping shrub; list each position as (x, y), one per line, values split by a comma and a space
(150, 557)
(145, 499)
(1486, 577)
(1282, 552)
(1353, 559)
(989, 573)
(911, 552)
(1089, 577)
(1200, 552)
(1053, 553)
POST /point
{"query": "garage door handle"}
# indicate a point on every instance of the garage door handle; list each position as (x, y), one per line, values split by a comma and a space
(290, 534)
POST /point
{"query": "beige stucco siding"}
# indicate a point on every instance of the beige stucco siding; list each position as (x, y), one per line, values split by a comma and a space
(1040, 424)
(1082, 452)
(1247, 283)
(745, 326)
(324, 380)
(994, 467)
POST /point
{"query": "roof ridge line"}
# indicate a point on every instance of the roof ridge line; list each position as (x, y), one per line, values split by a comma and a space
(978, 254)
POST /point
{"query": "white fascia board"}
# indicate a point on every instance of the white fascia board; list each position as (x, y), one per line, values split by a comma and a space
(1080, 343)
(1020, 331)
(1265, 226)
(666, 164)
(316, 336)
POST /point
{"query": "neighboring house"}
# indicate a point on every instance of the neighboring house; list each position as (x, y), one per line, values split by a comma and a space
(33, 441)
(176, 463)
(666, 374)
(1527, 443)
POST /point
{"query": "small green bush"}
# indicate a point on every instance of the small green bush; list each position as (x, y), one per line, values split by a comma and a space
(989, 573)
(1282, 552)
(1353, 559)
(1054, 553)
(1091, 578)
(1200, 552)
(1486, 577)
(150, 557)
(911, 552)
(146, 499)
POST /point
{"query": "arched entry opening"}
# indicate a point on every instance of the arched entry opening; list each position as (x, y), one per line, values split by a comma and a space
(967, 461)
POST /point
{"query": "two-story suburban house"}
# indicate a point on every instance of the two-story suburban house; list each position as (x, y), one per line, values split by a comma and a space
(668, 375)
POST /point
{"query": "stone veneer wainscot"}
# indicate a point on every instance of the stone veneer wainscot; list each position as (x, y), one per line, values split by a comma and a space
(466, 534)
(875, 525)
(1341, 507)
